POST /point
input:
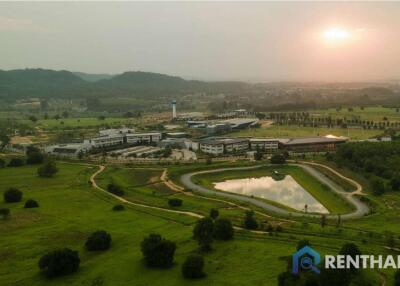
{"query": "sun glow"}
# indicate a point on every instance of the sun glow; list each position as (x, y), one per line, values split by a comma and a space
(336, 35)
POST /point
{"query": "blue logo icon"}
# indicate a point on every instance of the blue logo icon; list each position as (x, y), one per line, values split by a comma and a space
(307, 259)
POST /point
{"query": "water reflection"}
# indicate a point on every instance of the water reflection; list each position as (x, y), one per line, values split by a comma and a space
(286, 192)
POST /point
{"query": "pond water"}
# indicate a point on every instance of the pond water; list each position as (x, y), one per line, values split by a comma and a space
(286, 192)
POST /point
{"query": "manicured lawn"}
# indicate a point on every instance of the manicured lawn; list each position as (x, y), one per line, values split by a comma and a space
(295, 131)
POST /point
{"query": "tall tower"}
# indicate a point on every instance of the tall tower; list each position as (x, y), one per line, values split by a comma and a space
(173, 109)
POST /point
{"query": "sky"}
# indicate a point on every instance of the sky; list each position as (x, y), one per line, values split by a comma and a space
(251, 41)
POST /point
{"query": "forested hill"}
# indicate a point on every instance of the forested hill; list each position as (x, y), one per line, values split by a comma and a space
(27, 83)
(15, 84)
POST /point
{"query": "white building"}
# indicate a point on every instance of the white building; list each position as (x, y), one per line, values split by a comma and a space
(107, 140)
(214, 147)
(221, 146)
(68, 150)
(149, 137)
(267, 144)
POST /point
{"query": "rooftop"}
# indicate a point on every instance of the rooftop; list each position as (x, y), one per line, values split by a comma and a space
(311, 140)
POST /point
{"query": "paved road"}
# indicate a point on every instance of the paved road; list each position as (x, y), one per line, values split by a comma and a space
(361, 209)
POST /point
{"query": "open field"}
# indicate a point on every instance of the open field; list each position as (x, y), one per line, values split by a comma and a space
(70, 209)
(295, 131)
(375, 113)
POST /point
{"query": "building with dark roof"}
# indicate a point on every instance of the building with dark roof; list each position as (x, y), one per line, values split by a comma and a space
(311, 144)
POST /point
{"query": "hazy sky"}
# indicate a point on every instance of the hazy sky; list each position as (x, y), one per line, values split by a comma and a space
(249, 41)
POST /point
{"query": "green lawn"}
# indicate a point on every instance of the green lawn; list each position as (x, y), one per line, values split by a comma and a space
(70, 210)
(295, 131)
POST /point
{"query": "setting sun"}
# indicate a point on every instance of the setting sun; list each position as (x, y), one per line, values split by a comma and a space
(336, 35)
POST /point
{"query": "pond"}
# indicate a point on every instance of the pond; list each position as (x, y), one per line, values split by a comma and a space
(286, 192)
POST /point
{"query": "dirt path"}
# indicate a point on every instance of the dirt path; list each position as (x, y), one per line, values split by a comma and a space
(94, 184)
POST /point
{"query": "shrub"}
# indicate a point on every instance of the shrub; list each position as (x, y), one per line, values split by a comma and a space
(4, 213)
(48, 170)
(249, 220)
(35, 158)
(378, 187)
(157, 251)
(203, 232)
(29, 204)
(16, 162)
(115, 189)
(193, 266)
(99, 240)
(278, 159)
(2, 163)
(214, 213)
(302, 243)
(59, 262)
(397, 278)
(118, 208)
(223, 229)
(12, 195)
(174, 202)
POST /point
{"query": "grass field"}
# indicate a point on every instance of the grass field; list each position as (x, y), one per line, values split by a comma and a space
(295, 131)
(375, 113)
(70, 210)
(334, 203)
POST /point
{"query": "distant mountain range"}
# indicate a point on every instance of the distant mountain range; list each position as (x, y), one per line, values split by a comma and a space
(42, 83)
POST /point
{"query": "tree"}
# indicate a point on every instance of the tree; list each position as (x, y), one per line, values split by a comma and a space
(193, 266)
(351, 250)
(115, 189)
(397, 278)
(118, 208)
(278, 159)
(249, 220)
(35, 158)
(203, 232)
(157, 251)
(12, 195)
(30, 204)
(258, 155)
(302, 243)
(16, 162)
(4, 139)
(323, 220)
(223, 229)
(395, 183)
(48, 169)
(4, 213)
(174, 202)
(214, 213)
(98, 240)
(378, 187)
(32, 118)
(59, 262)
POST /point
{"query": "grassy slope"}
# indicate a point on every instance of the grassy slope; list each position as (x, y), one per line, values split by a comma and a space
(322, 193)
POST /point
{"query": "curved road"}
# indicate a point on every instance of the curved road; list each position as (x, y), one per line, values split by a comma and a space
(361, 209)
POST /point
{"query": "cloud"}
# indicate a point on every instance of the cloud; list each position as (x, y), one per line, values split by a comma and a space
(13, 25)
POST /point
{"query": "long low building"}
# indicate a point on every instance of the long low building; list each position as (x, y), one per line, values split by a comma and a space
(221, 146)
(311, 144)
(264, 144)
